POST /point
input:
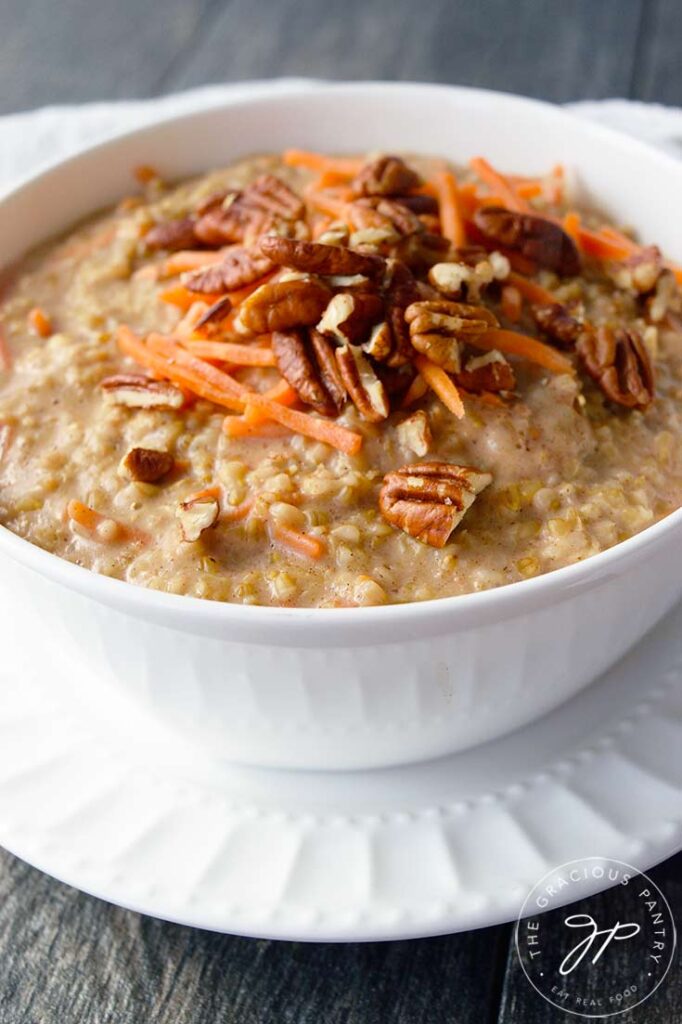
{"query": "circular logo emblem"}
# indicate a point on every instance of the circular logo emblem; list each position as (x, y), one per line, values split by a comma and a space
(584, 958)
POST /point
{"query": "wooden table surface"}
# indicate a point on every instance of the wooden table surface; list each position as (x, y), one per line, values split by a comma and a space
(66, 957)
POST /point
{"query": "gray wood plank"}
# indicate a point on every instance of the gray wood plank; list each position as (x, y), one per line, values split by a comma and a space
(539, 47)
(66, 957)
(54, 51)
(657, 73)
(520, 1002)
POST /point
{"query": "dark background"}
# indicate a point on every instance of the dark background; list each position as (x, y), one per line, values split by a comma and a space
(65, 957)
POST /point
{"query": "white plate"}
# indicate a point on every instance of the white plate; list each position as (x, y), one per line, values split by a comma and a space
(101, 797)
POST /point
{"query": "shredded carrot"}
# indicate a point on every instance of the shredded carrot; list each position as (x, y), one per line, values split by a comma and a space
(619, 237)
(186, 260)
(320, 225)
(300, 543)
(416, 390)
(571, 225)
(488, 398)
(327, 204)
(310, 426)
(331, 178)
(347, 166)
(236, 513)
(499, 183)
(239, 426)
(230, 352)
(40, 322)
(183, 298)
(528, 189)
(530, 290)
(144, 173)
(170, 361)
(598, 245)
(5, 354)
(91, 521)
(512, 303)
(281, 392)
(452, 225)
(441, 384)
(191, 318)
(554, 188)
(214, 491)
(516, 344)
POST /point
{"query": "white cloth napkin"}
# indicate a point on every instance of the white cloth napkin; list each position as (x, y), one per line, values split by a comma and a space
(28, 140)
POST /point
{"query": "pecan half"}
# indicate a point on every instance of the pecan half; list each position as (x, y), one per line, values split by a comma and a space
(386, 176)
(139, 392)
(536, 238)
(279, 305)
(619, 362)
(400, 291)
(308, 365)
(147, 465)
(314, 258)
(366, 391)
(379, 212)
(429, 499)
(437, 326)
(239, 268)
(414, 433)
(196, 515)
(172, 235)
(489, 372)
(260, 207)
(350, 316)
(556, 321)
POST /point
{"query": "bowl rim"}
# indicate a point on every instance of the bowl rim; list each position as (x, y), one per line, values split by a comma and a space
(441, 614)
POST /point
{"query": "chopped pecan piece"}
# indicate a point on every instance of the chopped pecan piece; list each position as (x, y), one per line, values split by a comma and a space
(279, 305)
(419, 204)
(386, 176)
(314, 258)
(196, 515)
(640, 272)
(379, 345)
(429, 499)
(536, 238)
(308, 365)
(473, 276)
(147, 465)
(489, 372)
(239, 268)
(367, 392)
(350, 316)
(414, 433)
(139, 392)
(437, 326)
(172, 235)
(619, 362)
(556, 321)
(271, 194)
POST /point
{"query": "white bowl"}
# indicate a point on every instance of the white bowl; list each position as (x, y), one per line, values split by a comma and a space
(350, 688)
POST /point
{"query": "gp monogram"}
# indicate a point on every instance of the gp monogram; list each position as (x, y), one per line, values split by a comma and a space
(579, 958)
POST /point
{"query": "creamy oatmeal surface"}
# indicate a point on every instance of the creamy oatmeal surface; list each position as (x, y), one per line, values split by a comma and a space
(560, 452)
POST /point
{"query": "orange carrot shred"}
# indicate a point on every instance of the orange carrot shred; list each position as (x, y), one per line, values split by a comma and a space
(515, 344)
(498, 183)
(40, 322)
(281, 392)
(441, 384)
(144, 173)
(310, 426)
(239, 426)
(416, 390)
(300, 543)
(512, 303)
(186, 260)
(230, 352)
(90, 520)
(188, 322)
(451, 221)
(348, 166)
(531, 290)
(183, 298)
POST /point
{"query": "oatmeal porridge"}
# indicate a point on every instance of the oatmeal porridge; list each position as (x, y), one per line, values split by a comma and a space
(327, 381)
